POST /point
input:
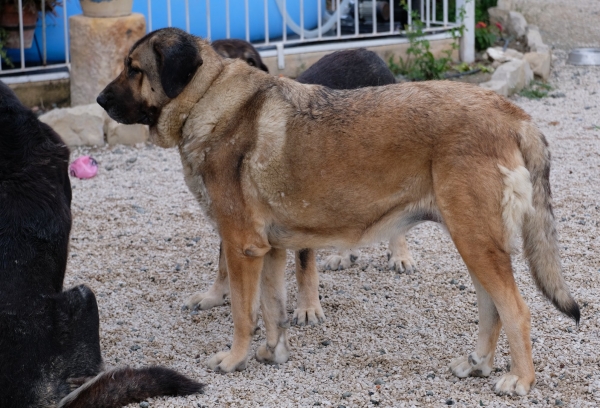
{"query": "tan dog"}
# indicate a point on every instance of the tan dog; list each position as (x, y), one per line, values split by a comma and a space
(268, 160)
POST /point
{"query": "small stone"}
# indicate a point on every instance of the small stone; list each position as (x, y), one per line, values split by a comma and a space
(558, 402)
(131, 160)
(346, 395)
(144, 404)
(462, 287)
(378, 381)
(138, 209)
(429, 393)
(326, 342)
(534, 401)
(453, 282)
(317, 404)
(449, 401)
(178, 267)
(374, 402)
(135, 347)
(558, 95)
(481, 404)
(109, 167)
(367, 287)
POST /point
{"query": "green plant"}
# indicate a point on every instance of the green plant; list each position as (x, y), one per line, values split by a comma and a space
(420, 63)
(3, 56)
(481, 9)
(536, 90)
(486, 35)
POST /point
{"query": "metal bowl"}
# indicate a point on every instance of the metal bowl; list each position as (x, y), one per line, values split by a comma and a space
(584, 56)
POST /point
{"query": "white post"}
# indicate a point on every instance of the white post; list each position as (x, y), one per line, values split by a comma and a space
(467, 41)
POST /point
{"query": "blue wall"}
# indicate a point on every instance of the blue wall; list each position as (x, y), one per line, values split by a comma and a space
(55, 26)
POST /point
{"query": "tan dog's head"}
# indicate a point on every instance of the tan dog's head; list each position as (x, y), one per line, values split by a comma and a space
(157, 69)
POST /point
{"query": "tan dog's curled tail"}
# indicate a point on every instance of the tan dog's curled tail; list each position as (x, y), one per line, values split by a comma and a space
(540, 241)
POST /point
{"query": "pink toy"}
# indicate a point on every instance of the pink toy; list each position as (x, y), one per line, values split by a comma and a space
(84, 167)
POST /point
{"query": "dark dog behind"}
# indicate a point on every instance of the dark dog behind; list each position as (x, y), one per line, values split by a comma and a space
(49, 339)
(234, 48)
(348, 69)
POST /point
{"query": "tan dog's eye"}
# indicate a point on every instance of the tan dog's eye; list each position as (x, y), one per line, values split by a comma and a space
(134, 71)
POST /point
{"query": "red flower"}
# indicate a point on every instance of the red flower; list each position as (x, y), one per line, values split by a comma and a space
(481, 24)
(499, 26)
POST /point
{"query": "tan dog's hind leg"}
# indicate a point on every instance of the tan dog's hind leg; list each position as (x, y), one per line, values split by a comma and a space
(481, 361)
(276, 350)
(474, 219)
(218, 291)
(308, 308)
(244, 283)
(399, 257)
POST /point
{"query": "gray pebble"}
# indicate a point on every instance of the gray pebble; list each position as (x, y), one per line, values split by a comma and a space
(326, 342)
(558, 402)
(558, 95)
(131, 160)
(429, 393)
(346, 395)
(378, 381)
(135, 347)
(449, 401)
(109, 167)
(367, 287)
(144, 404)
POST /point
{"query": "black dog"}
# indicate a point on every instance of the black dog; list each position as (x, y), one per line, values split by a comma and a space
(49, 340)
(234, 48)
(348, 69)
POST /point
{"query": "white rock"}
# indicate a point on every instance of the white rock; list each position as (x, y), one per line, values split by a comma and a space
(79, 126)
(498, 86)
(497, 54)
(517, 25)
(539, 63)
(117, 133)
(534, 40)
(505, 5)
(497, 15)
(516, 73)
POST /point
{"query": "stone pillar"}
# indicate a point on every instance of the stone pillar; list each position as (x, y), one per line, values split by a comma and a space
(98, 47)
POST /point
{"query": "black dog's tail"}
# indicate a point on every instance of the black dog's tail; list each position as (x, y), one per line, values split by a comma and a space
(121, 386)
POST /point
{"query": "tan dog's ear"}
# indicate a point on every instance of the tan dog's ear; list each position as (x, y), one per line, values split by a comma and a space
(177, 63)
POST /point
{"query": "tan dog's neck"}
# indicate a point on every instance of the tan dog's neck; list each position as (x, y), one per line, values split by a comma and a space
(167, 132)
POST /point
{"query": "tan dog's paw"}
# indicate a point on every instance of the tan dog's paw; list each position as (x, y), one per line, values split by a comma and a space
(342, 261)
(204, 301)
(226, 362)
(278, 354)
(312, 315)
(472, 365)
(510, 384)
(401, 263)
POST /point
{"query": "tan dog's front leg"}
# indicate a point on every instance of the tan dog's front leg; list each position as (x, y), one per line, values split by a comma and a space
(244, 269)
(217, 293)
(276, 350)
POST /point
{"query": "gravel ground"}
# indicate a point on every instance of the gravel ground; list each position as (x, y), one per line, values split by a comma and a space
(141, 243)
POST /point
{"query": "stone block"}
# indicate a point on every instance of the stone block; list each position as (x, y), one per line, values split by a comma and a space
(498, 86)
(79, 126)
(98, 47)
(540, 63)
(516, 73)
(118, 133)
(517, 25)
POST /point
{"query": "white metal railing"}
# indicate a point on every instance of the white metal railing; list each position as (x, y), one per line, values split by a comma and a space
(355, 20)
